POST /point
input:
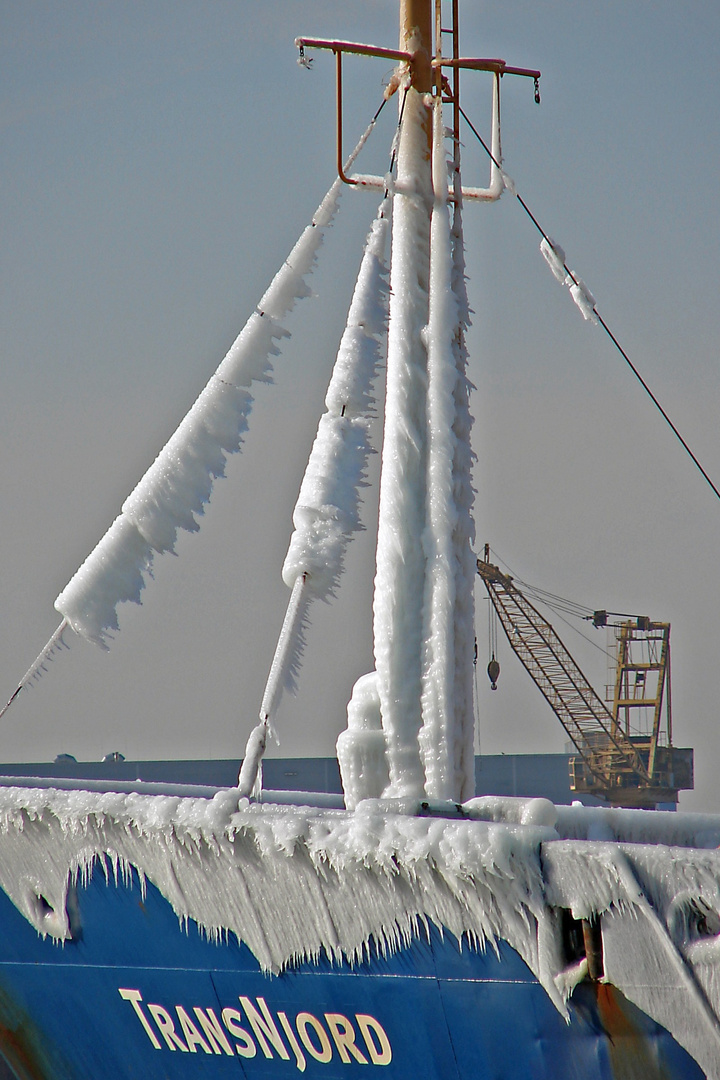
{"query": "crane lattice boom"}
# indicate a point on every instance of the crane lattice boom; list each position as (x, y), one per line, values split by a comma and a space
(626, 768)
(585, 717)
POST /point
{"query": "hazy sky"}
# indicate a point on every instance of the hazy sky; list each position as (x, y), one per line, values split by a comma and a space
(158, 162)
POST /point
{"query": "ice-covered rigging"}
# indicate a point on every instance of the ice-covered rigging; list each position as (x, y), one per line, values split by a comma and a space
(446, 736)
(400, 561)
(173, 492)
(327, 512)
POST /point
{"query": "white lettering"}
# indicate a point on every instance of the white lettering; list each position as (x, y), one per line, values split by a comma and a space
(164, 1021)
(299, 1056)
(135, 997)
(191, 1033)
(305, 1019)
(368, 1025)
(264, 1027)
(209, 1032)
(215, 1034)
(230, 1019)
(345, 1038)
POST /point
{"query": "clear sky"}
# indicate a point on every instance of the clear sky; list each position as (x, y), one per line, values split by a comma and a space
(158, 162)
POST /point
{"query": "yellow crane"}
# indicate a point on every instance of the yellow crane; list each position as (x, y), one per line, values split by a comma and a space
(614, 760)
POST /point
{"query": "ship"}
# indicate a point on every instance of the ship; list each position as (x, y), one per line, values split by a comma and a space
(410, 927)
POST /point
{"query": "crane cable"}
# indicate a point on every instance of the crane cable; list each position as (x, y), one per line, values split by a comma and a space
(493, 668)
(574, 280)
(559, 604)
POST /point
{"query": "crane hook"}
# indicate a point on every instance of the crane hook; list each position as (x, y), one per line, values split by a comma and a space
(493, 670)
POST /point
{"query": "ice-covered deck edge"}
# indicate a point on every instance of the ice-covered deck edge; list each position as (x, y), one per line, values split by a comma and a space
(378, 877)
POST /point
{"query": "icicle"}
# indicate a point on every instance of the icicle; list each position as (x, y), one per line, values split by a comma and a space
(173, 492)
(34, 672)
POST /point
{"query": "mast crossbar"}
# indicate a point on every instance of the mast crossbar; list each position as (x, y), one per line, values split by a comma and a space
(354, 47)
(402, 56)
(417, 68)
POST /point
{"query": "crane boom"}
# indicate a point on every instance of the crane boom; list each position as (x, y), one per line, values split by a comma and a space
(584, 715)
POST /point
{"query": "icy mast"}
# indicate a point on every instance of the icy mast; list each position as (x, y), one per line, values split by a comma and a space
(423, 614)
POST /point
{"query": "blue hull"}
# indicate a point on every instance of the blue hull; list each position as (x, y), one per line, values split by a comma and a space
(135, 995)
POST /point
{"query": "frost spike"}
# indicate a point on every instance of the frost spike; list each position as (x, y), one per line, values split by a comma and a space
(175, 489)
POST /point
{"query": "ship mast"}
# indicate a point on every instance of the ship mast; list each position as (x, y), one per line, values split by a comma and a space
(410, 722)
(422, 681)
(400, 573)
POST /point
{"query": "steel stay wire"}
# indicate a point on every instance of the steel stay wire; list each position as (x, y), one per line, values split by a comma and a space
(576, 281)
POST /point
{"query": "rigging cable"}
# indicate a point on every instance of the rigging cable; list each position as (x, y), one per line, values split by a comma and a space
(570, 607)
(558, 604)
(476, 698)
(572, 277)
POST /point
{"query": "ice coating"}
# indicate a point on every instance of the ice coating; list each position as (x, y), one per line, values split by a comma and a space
(400, 564)
(464, 532)
(327, 510)
(437, 734)
(584, 300)
(555, 258)
(446, 736)
(361, 749)
(649, 953)
(382, 873)
(290, 646)
(173, 492)
(423, 607)
(250, 776)
(113, 572)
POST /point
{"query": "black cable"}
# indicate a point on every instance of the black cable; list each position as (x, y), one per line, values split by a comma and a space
(557, 604)
(561, 602)
(396, 140)
(584, 636)
(600, 319)
(571, 607)
(655, 401)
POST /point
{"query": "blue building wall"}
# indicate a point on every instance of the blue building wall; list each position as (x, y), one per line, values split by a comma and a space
(526, 775)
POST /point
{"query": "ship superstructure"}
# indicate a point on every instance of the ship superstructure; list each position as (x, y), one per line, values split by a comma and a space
(418, 929)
